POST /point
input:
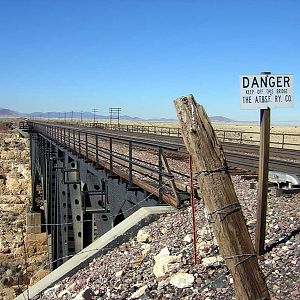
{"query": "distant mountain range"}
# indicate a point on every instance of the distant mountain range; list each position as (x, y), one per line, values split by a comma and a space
(7, 113)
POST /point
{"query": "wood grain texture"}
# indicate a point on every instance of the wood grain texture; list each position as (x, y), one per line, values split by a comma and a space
(263, 175)
(220, 200)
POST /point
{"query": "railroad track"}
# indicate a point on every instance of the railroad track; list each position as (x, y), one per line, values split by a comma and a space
(244, 157)
(177, 142)
(140, 160)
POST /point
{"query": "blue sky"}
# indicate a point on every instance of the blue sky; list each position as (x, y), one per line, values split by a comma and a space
(59, 55)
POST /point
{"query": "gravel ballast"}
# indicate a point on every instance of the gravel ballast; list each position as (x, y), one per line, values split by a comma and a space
(130, 270)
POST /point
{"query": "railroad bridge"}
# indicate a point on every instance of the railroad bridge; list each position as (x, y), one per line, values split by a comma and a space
(87, 179)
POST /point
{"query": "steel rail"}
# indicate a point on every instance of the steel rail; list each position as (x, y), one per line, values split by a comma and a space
(277, 140)
(123, 138)
(251, 163)
(239, 155)
(177, 142)
(178, 145)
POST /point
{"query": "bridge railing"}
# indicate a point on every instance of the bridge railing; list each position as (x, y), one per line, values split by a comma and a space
(115, 154)
(277, 140)
(23, 125)
(149, 129)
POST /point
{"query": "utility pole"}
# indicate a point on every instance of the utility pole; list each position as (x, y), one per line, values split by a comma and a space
(81, 116)
(94, 110)
(114, 115)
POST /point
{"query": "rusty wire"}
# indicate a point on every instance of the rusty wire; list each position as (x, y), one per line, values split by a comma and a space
(193, 211)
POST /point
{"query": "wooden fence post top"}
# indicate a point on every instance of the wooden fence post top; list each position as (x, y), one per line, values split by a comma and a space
(193, 118)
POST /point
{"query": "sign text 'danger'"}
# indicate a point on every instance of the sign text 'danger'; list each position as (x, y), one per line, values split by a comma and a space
(262, 91)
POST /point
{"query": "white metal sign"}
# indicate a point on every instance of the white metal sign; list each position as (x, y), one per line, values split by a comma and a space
(262, 91)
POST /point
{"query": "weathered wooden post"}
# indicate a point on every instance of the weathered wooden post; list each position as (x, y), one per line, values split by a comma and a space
(220, 200)
(263, 174)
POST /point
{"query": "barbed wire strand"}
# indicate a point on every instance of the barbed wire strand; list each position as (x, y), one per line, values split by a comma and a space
(110, 216)
(207, 217)
(25, 259)
(92, 220)
(208, 282)
(106, 248)
(101, 249)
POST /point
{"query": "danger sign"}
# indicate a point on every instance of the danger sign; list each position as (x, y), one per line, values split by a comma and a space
(262, 91)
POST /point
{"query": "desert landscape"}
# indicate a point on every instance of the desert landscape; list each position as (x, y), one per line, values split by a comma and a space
(185, 106)
(23, 255)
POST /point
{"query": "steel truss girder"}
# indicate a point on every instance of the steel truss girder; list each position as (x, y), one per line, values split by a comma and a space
(81, 201)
